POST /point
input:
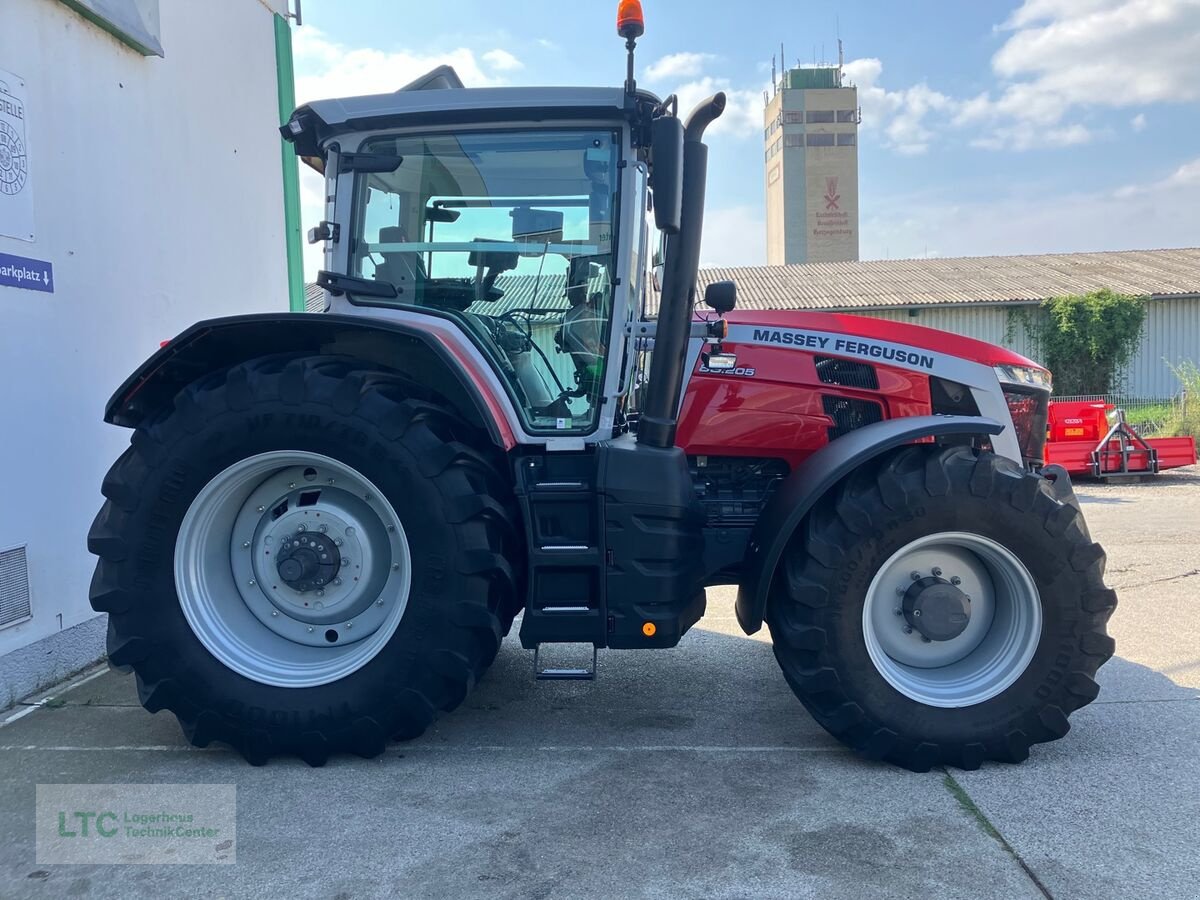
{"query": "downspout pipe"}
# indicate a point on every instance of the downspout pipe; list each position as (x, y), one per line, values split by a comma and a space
(656, 427)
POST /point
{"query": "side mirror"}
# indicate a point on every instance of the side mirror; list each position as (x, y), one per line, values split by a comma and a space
(666, 179)
(721, 296)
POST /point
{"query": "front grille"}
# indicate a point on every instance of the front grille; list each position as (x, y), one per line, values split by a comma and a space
(846, 372)
(849, 414)
(1029, 410)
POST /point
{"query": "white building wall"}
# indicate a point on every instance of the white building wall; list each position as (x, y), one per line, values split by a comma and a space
(158, 199)
(1171, 333)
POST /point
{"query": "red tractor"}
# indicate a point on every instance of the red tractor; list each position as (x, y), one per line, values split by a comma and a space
(326, 523)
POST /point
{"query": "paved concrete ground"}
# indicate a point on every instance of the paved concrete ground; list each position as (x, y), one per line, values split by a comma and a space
(685, 773)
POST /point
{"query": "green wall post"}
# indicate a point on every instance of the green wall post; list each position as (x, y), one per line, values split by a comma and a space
(285, 77)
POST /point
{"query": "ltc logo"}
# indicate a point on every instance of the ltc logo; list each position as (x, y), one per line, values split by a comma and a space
(831, 194)
(81, 821)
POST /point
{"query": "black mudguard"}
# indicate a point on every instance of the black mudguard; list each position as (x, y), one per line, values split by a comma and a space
(216, 344)
(812, 479)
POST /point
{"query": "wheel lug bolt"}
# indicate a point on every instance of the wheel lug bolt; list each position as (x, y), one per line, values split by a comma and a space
(331, 481)
(379, 602)
(338, 542)
(323, 529)
(291, 485)
(337, 581)
(392, 529)
(310, 629)
(252, 582)
(245, 544)
(954, 579)
(395, 567)
(937, 573)
(898, 611)
(368, 497)
(321, 593)
(907, 629)
(274, 613)
(303, 527)
(262, 509)
(925, 640)
(902, 590)
(915, 576)
(349, 624)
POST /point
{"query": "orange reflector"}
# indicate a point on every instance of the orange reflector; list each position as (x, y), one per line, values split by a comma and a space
(649, 629)
(631, 23)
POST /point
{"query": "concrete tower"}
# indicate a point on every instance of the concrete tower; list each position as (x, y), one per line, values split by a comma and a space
(812, 167)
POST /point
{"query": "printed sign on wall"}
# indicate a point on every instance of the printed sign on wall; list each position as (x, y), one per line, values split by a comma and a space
(16, 189)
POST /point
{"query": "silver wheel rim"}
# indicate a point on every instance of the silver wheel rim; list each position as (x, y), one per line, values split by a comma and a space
(995, 647)
(235, 598)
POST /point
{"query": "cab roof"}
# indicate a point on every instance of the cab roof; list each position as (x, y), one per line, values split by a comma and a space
(439, 98)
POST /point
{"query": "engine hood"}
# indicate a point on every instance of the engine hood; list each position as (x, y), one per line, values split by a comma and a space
(884, 330)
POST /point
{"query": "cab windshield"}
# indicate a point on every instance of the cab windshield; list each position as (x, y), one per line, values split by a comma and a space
(512, 235)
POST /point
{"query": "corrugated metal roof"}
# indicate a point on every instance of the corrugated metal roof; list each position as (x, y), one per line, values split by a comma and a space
(880, 284)
(519, 293)
(901, 283)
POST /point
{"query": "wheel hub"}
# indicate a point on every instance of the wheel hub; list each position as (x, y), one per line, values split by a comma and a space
(307, 562)
(292, 568)
(936, 609)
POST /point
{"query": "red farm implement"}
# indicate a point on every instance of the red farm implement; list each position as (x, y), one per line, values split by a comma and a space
(1092, 438)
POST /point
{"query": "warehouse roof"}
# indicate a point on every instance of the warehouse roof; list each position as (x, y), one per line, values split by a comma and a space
(877, 284)
(902, 283)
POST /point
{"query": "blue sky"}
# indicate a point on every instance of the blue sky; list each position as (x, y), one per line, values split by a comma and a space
(989, 127)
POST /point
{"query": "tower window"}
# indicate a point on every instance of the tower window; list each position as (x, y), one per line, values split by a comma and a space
(819, 116)
(820, 140)
(845, 140)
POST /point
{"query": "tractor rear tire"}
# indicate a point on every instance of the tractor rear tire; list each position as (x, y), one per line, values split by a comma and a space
(841, 611)
(425, 574)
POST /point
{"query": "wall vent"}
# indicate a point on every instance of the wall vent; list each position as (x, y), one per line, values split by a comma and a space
(14, 587)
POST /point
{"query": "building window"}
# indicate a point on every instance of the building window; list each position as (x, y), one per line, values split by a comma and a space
(848, 116)
(793, 117)
(819, 116)
(820, 140)
(845, 140)
(132, 22)
(793, 140)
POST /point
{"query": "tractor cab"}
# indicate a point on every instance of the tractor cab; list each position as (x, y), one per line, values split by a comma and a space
(515, 215)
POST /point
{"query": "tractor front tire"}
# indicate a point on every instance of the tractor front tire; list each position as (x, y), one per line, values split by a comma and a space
(1012, 590)
(299, 558)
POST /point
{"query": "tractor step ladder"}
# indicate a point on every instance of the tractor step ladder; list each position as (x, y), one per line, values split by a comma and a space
(563, 673)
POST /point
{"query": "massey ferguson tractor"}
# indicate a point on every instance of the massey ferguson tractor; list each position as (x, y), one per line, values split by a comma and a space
(326, 523)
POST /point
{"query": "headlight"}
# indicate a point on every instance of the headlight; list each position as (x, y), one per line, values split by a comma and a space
(1030, 376)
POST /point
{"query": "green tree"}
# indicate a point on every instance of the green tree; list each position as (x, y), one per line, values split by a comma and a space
(1086, 340)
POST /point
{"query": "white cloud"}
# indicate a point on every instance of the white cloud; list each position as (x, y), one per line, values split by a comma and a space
(678, 65)
(326, 68)
(1061, 60)
(743, 114)
(1154, 214)
(1138, 122)
(502, 61)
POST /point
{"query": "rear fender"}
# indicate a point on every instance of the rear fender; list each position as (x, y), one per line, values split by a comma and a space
(426, 356)
(812, 479)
